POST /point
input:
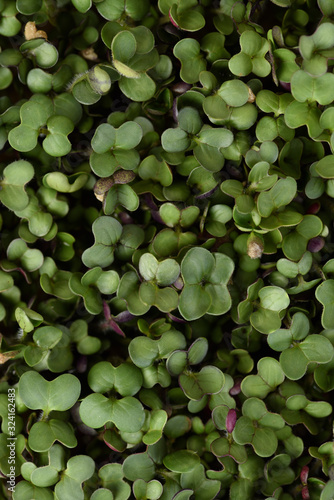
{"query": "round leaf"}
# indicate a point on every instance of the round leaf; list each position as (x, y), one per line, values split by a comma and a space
(181, 461)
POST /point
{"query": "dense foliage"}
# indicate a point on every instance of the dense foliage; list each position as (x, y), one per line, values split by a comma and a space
(167, 286)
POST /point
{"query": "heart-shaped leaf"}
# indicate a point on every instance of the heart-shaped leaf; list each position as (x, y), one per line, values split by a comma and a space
(79, 469)
(38, 394)
(209, 380)
(43, 434)
(15, 176)
(127, 413)
(107, 231)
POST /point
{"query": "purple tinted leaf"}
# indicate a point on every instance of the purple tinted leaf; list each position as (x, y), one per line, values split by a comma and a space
(150, 201)
(231, 420)
(124, 316)
(316, 244)
(314, 208)
(207, 194)
(175, 318)
(114, 326)
(81, 364)
(305, 493)
(304, 474)
(106, 310)
(236, 389)
(181, 87)
(285, 85)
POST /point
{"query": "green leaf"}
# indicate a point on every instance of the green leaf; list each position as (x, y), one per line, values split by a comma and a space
(96, 410)
(141, 88)
(192, 62)
(201, 272)
(79, 469)
(6, 78)
(293, 362)
(189, 120)
(187, 20)
(139, 466)
(281, 194)
(222, 448)
(57, 143)
(112, 478)
(148, 266)
(328, 491)
(234, 92)
(194, 302)
(28, 7)
(143, 351)
(209, 157)
(274, 298)
(210, 380)
(152, 490)
(47, 336)
(217, 218)
(305, 87)
(263, 439)
(91, 296)
(107, 231)
(104, 138)
(43, 434)
(255, 386)
(197, 351)
(152, 168)
(167, 273)
(164, 299)
(157, 423)
(120, 194)
(6, 281)
(128, 414)
(15, 176)
(270, 375)
(177, 362)
(175, 140)
(302, 113)
(38, 394)
(181, 461)
(129, 291)
(102, 494)
(82, 5)
(264, 442)
(216, 137)
(128, 135)
(27, 318)
(324, 167)
(265, 320)
(25, 490)
(45, 54)
(251, 58)
(123, 46)
(197, 265)
(317, 349)
(65, 184)
(83, 92)
(325, 294)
